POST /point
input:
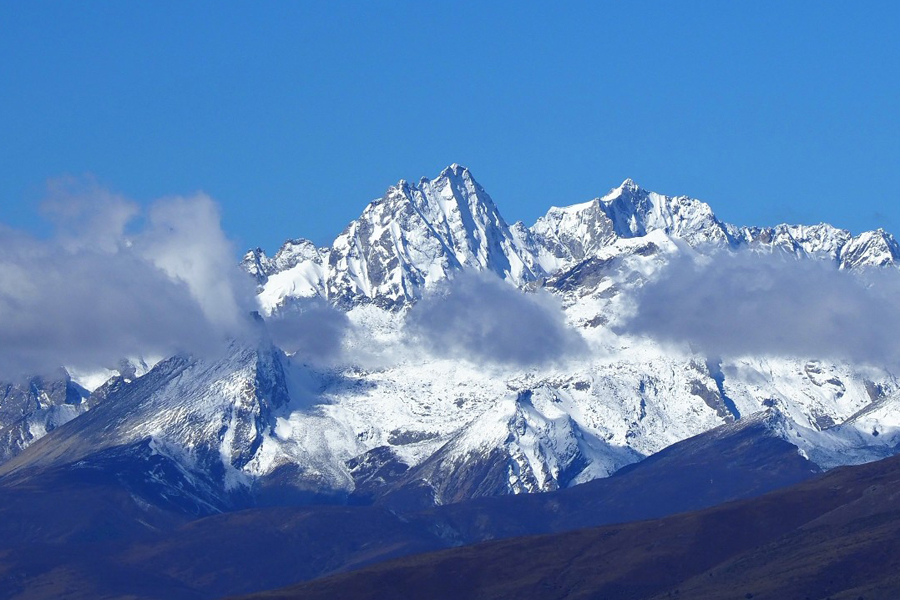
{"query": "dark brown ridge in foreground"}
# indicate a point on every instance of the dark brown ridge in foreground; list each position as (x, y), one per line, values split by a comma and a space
(835, 537)
(101, 528)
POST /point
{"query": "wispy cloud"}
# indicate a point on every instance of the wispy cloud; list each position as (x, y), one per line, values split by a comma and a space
(746, 303)
(480, 318)
(116, 281)
(310, 329)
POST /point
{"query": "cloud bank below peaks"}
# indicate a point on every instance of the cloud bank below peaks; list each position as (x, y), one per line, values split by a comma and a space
(116, 281)
(482, 319)
(732, 304)
(311, 330)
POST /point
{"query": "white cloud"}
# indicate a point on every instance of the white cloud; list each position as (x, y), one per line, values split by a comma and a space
(479, 317)
(745, 303)
(97, 292)
(311, 329)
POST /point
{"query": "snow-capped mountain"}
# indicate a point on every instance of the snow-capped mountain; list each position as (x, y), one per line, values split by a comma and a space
(418, 235)
(385, 421)
(870, 249)
(202, 422)
(593, 256)
(291, 254)
(413, 237)
(31, 409)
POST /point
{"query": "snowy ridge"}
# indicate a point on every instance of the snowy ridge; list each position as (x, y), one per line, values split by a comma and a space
(823, 240)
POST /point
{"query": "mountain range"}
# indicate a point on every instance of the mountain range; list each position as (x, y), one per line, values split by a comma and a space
(435, 358)
(417, 235)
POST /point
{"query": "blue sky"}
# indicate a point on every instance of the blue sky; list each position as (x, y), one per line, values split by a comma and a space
(294, 115)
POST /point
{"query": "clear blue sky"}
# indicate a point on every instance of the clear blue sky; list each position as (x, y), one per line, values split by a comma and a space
(295, 115)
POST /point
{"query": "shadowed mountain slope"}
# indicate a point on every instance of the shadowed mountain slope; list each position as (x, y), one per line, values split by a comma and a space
(834, 537)
(79, 532)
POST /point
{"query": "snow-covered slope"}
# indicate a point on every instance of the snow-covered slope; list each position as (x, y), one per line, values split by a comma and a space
(250, 426)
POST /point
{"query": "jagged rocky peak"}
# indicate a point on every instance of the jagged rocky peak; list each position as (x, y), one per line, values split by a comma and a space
(467, 218)
(635, 212)
(575, 232)
(454, 170)
(822, 240)
(572, 233)
(257, 264)
(419, 234)
(29, 408)
(870, 249)
(292, 253)
(416, 235)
